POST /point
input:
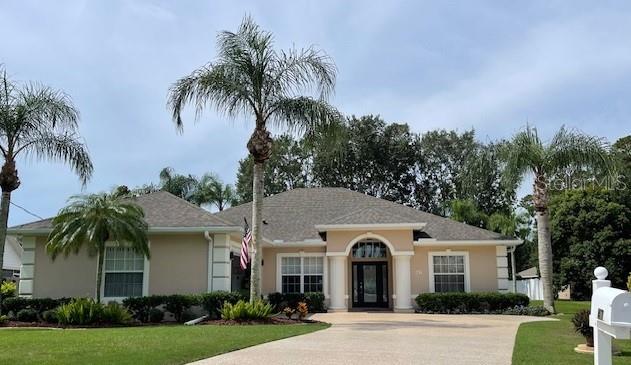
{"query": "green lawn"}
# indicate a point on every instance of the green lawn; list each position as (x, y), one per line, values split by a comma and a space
(136, 345)
(554, 342)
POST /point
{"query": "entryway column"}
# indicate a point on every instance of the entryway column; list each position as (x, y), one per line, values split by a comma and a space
(337, 279)
(402, 283)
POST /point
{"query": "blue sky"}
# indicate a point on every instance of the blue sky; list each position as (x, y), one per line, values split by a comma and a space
(489, 65)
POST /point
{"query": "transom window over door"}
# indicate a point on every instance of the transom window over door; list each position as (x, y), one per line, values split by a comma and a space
(369, 249)
(123, 272)
(449, 272)
(301, 274)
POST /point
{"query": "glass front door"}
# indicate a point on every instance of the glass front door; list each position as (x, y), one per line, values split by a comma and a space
(370, 284)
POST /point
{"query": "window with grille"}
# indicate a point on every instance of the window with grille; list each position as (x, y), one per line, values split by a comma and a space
(123, 271)
(449, 272)
(369, 249)
(302, 274)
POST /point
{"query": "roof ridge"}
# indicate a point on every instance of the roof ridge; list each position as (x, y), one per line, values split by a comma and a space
(197, 207)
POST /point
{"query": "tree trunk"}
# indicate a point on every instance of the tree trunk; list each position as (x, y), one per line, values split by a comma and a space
(4, 219)
(544, 240)
(257, 220)
(99, 273)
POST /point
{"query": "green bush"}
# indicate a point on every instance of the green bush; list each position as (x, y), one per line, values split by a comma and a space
(40, 305)
(50, 316)
(246, 311)
(8, 289)
(470, 302)
(27, 315)
(178, 304)
(536, 311)
(315, 301)
(141, 306)
(114, 313)
(213, 302)
(80, 312)
(581, 326)
(3, 319)
(156, 315)
(14, 305)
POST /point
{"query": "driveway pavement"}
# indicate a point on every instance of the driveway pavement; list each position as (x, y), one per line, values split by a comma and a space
(390, 338)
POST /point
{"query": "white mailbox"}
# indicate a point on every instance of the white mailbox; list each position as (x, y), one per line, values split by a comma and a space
(610, 316)
(612, 306)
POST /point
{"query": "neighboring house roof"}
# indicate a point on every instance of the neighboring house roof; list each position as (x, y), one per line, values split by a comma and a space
(529, 273)
(163, 211)
(292, 216)
(12, 257)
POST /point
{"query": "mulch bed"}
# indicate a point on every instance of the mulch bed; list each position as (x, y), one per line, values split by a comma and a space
(273, 320)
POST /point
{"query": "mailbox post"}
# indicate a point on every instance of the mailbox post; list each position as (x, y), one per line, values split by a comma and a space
(610, 316)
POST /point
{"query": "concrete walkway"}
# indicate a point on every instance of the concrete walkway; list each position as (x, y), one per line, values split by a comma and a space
(390, 338)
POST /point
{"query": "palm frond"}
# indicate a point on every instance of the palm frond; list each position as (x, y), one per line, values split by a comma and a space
(574, 149)
(525, 153)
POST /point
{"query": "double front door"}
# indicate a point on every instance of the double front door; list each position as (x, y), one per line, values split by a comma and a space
(370, 284)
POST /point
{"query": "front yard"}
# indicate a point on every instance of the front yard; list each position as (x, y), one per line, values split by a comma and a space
(136, 345)
(553, 342)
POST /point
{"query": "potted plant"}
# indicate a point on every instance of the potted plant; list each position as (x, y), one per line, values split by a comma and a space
(581, 326)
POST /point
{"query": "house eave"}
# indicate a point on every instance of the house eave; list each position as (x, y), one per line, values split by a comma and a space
(222, 229)
(372, 226)
(432, 242)
(286, 244)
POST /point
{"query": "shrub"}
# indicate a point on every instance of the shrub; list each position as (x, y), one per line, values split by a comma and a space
(50, 316)
(537, 311)
(8, 289)
(80, 311)
(141, 306)
(15, 304)
(27, 315)
(177, 304)
(314, 301)
(3, 319)
(114, 313)
(581, 326)
(289, 311)
(303, 310)
(213, 302)
(156, 315)
(469, 302)
(246, 311)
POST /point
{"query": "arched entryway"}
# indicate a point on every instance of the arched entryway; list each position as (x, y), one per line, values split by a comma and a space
(370, 273)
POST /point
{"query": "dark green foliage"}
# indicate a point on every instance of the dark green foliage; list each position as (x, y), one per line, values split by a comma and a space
(156, 315)
(27, 315)
(469, 302)
(214, 301)
(580, 320)
(141, 306)
(114, 313)
(80, 312)
(315, 301)
(536, 311)
(590, 228)
(40, 305)
(177, 304)
(50, 316)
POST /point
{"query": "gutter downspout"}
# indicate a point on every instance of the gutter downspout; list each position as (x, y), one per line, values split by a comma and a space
(211, 248)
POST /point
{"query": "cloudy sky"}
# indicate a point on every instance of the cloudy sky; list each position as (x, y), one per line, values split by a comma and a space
(493, 66)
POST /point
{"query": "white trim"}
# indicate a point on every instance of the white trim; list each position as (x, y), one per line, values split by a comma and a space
(209, 270)
(376, 226)
(305, 243)
(364, 236)
(301, 254)
(430, 266)
(437, 243)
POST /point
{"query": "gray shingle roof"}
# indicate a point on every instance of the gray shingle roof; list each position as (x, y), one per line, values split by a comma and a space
(292, 215)
(163, 210)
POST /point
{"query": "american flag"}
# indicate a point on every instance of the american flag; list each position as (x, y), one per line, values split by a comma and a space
(245, 245)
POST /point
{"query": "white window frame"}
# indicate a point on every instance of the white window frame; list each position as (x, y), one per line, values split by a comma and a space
(145, 277)
(430, 266)
(302, 255)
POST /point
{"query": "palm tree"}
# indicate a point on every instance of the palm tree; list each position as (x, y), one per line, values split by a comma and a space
(251, 78)
(94, 220)
(177, 184)
(210, 190)
(36, 121)
(527, 154)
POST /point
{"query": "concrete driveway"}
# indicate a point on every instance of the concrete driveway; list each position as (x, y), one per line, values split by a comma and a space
(390, 338)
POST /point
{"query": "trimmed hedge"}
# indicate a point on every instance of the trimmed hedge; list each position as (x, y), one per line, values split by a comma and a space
(470, 302)
(39, 305)
(213, 302)
(315, 301)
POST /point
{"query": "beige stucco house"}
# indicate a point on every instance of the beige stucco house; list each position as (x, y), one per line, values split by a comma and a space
(360, 251)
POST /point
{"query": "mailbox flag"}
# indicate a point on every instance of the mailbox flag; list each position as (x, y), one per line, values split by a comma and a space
(245, 245)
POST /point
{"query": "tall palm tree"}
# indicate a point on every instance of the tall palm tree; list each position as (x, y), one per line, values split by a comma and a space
(528, 154)
(210, 190)
(40, 122)
(251, 78)
(93, 220)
